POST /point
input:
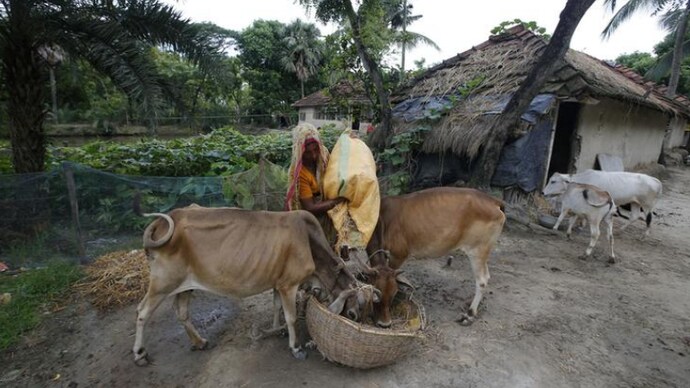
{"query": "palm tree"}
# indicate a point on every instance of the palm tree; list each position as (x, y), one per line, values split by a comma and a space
(675, 19)
(399, 16)
(303, 50)
(114, 36)
(343, 11)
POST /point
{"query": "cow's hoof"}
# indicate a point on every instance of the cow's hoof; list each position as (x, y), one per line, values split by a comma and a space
(612, 260)
(141, 358)
(202, 346)
(299, 353)
(465, 320)
(583, 257)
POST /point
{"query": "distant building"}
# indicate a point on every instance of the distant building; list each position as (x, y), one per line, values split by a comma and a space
(344, 104)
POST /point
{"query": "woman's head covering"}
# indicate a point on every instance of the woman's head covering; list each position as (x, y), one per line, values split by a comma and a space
(302, 135)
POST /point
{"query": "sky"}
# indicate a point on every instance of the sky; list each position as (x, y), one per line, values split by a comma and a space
(455, 25)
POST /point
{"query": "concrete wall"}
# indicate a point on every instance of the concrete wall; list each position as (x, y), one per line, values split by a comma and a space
(310, 112)
(631, 132)
(677, 135)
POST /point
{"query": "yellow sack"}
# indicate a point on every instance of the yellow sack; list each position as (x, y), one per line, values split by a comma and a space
(351, 173)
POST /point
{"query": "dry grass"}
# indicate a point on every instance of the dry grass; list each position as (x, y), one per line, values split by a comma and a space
(116, 279)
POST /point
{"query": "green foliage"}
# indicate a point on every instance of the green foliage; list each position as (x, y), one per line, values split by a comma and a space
(114, 37)
(5, 157)
(503, 27)
(224, 151)
(640, 62)
(32, 292)
(262, 51)
(399, 156)
(262, 187)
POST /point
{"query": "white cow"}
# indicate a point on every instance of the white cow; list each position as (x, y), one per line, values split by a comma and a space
(589, 202)
(640, 191)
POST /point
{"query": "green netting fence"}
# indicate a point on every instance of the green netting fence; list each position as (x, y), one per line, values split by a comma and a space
(78, 213)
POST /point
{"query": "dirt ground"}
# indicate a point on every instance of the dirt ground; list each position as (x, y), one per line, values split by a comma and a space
(550, 319)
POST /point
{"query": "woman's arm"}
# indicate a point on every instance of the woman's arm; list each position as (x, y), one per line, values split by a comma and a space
(314, 207)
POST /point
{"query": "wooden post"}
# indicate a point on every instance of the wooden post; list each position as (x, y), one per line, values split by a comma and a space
(262, 179)
(74, 205)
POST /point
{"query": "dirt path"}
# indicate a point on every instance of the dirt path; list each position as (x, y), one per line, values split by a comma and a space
(550, 319)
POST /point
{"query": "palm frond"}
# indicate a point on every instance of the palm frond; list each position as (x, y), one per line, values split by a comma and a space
(413, 39)
(663, 64)
(625, 13)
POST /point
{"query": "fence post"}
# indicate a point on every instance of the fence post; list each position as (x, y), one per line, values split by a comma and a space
(262, 178)
(74, 205)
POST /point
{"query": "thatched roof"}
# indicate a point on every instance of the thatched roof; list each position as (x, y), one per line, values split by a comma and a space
(498, 66)
(352, 93)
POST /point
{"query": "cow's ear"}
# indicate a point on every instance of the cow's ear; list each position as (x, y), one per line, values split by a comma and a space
(403, 280)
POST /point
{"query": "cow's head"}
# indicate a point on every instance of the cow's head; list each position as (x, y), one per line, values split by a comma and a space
(360, 306)
(556, 185)
(386, 280)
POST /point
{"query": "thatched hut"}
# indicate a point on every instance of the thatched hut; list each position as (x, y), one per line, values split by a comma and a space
(344, 103)
(588, 107)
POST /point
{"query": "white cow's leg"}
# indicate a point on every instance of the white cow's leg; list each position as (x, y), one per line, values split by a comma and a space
(561, 217)
(648, 220)
(608, 219)
(146, 307)
(633, 215)
(571, 222)
(594, 234)
(181, 307)
(289, 298)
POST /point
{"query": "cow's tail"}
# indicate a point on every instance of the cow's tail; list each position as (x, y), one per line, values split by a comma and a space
(591, 199)
(149, 242)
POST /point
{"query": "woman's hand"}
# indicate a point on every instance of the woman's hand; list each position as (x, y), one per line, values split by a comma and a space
(335, 201)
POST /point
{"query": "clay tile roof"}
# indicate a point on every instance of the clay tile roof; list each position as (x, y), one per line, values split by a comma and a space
(353, 92)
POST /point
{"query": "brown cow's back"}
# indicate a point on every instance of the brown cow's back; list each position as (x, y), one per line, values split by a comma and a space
(256, 249)
(436, 221)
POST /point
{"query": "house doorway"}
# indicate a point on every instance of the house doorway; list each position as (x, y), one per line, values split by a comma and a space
(561, 153)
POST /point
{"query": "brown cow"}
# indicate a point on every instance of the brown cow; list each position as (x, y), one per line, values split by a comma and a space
(433, 223)
(236, 253)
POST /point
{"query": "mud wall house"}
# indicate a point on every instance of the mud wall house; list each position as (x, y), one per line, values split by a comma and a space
(343, 104)
(588, 107)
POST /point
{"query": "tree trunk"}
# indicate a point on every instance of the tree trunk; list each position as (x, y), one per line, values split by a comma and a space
(555, 50)
(381, 136)
(404, 43)
(678, 52)
(25, 82)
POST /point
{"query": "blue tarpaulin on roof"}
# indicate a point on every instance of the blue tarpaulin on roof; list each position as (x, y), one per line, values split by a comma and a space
(522, 162)
(418, 108)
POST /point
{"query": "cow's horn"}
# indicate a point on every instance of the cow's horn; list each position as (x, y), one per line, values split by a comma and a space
(148, 241)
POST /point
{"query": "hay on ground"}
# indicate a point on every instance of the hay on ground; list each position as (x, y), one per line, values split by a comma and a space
(116, 279)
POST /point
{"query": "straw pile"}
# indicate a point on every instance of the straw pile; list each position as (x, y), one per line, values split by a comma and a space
(116, 279)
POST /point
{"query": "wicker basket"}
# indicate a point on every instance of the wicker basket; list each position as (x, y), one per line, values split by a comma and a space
(357, 345)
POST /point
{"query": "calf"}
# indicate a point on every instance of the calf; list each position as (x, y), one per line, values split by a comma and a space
(639, 190)
(588, 202)
(432, 223)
